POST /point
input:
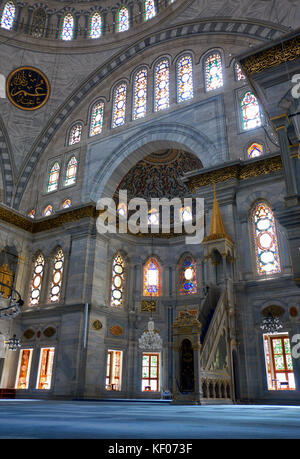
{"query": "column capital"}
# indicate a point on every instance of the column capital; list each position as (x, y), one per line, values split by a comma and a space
(280, 121)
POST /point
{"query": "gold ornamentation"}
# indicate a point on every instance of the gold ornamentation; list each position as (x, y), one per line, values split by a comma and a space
(97, 325)
(29, 333)
(272, 57)
(50, 331)
(116, 330)
(148, 306)
(27, 88)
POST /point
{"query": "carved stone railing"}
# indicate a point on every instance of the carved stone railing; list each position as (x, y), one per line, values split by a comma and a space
(214, 387)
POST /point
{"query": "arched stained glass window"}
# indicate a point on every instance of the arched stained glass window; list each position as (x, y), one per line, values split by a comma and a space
(97, 114)
(250, 111)
(152, 278)
(56, 281)
(140, 94)
(117, 281)
(31, 213)
(256, 149)
(213, 72)
(162, 83)
(67, 30)
(8, 15)
(265, 240)
(71, 171)
(149, 7)
(36, 280)
(95, 25)
(67, 203)
(53, 177)
(75, 134)
(184, 78)
(123, 19)
(38, 25)
(119, 107)
(239, 74)
(48, 211)
(186, 214)
(187, 276)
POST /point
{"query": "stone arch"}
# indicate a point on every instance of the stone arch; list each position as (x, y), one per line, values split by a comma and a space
(110, 174)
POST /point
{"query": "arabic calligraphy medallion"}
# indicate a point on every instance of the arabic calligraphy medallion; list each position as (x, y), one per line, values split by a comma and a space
(27, 88)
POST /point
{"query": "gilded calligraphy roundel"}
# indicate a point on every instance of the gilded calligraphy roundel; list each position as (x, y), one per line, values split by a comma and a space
(27, 88)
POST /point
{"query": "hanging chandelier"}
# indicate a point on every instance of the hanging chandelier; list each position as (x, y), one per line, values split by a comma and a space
(10, 306)
(13, 343)
(271, 324)
(150, 340)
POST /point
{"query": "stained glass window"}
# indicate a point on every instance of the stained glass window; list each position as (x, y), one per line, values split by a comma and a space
(123, 19)
(239, 74)
(186, 214)
(187, 276)
(66, 204)
(53, 177)
(152, 278)
(96, 25)
(117, 282)
(56, 281)
(250, 111)
(8, 15)
(67, 27)
(23, 373)
(162, 75)
(114, 370)
(255, 150)
(265, 238)
(119, 107)
(150, 372)
(213, 72)
(45, 368)
(140, 94)
(279, 363)
(96, 124)
(75, 134)
(184, 78)
(36, 281)
(48, 210)
(149, 7)
(31, 213)
(122, 209)
(71, 172)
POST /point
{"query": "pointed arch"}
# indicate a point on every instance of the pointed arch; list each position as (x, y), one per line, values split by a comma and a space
(152, 278)
(187, 275)
(8, 15)
(123, 19)
(238, 72)
(213, 69)
(75, 134)
(71, 171)
(265, 239)
(251, 115)
(95, 25)
(149, 9)
(96, 119)
(161, 85)
(38, 25)
(67, 30)
(53, 177)
(57, 276)
(254, 150)
(117, 281)
(36, 279)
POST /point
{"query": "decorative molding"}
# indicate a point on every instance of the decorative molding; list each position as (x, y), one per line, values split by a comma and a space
(148, 306)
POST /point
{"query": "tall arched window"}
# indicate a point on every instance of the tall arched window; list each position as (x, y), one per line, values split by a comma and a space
(265, 240)
(161, 85)
(123, 19)
(239, 74)
(152, 278)
(53, 177)
(149, 9)
(95, 25)
(97, 114)
(119, 105)
(255, 150)
(213, 72)
(38, 25)
(36, 280)
(56, 280)
(187, 276)
(185, 85)
(67, 30)
(75, 134)
(71, 171)
(117, 281)
(140, 94)
(8, 15)
(251, 116)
